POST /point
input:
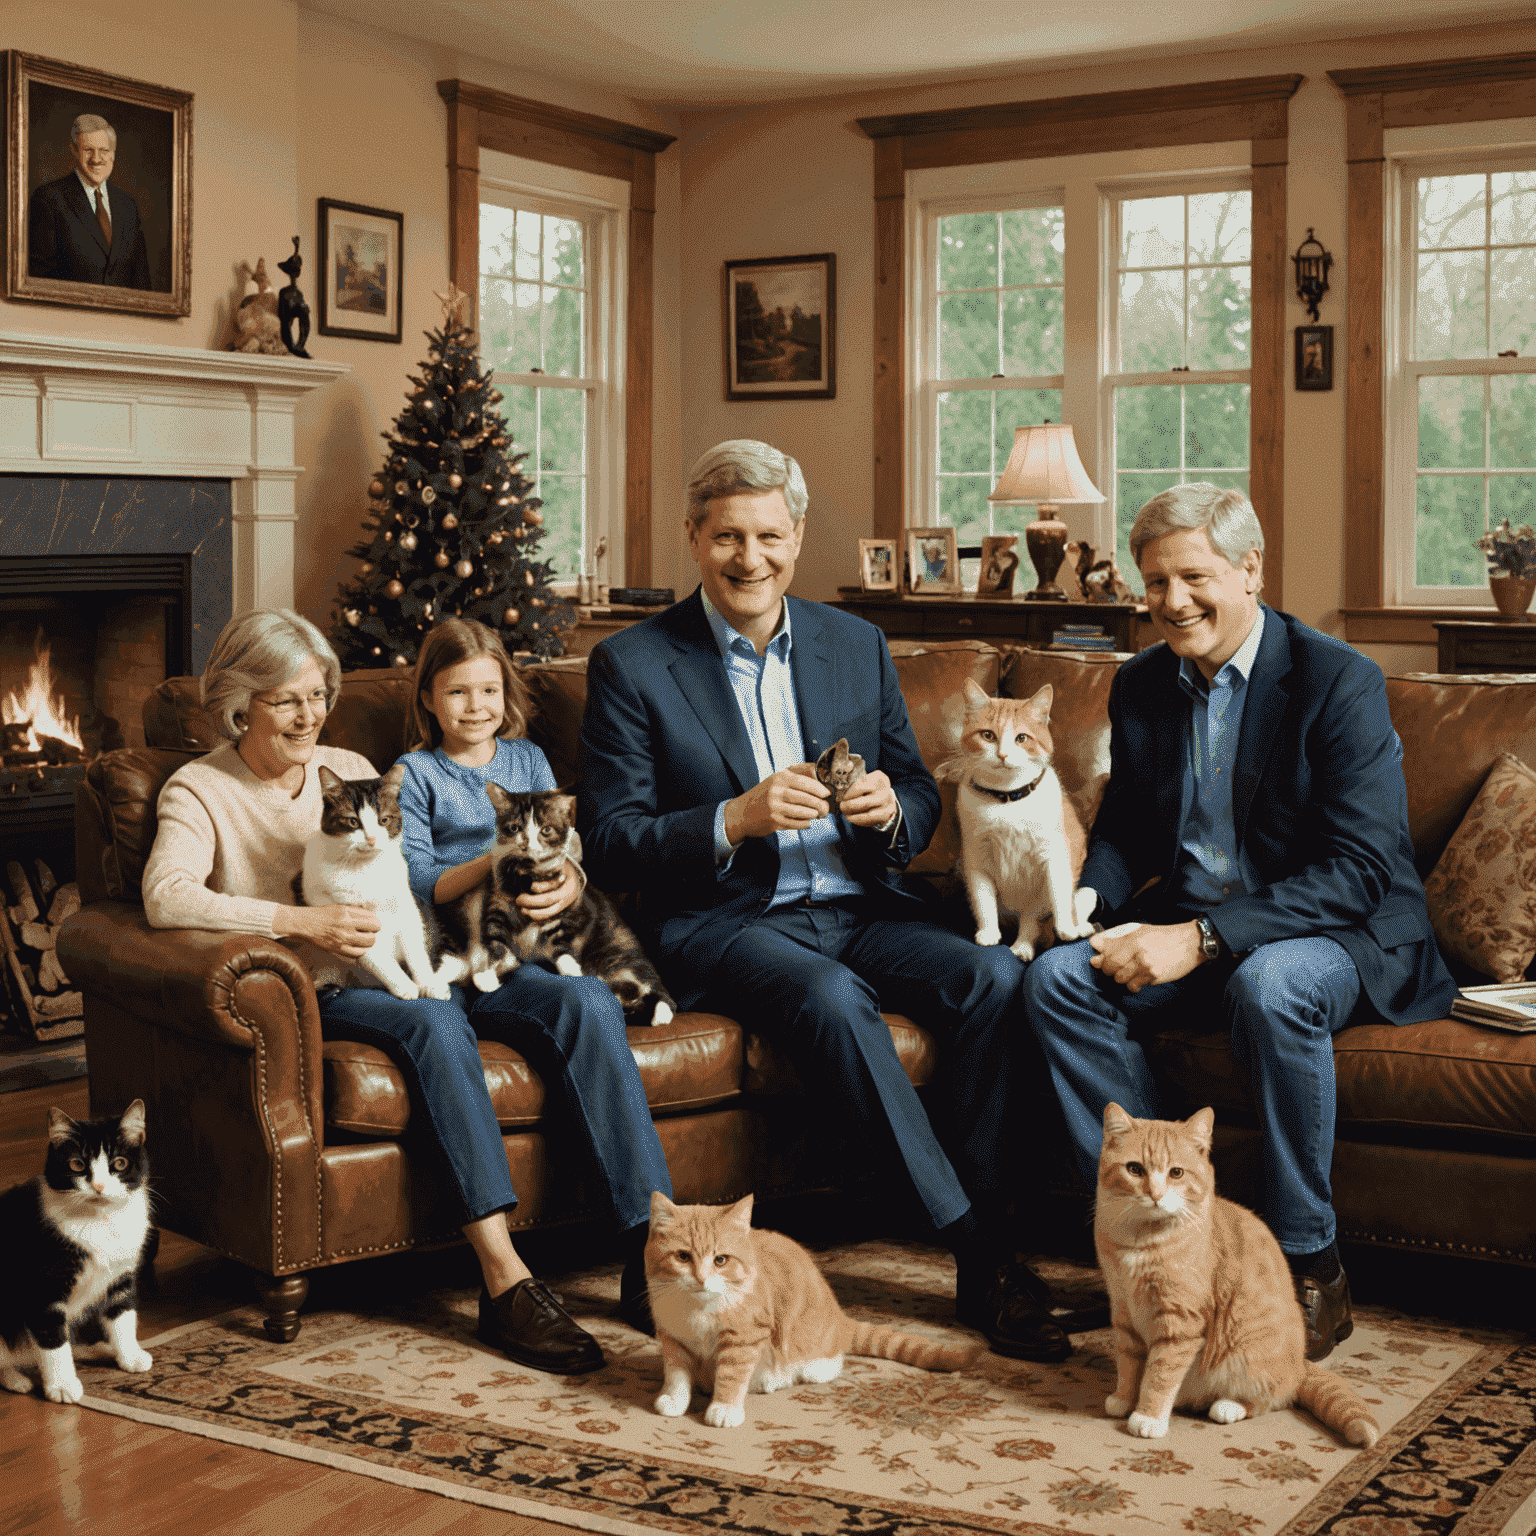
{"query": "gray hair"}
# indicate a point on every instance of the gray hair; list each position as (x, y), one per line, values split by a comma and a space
(1227, 516)
(744, 464)
(259, 651)
(88, 122)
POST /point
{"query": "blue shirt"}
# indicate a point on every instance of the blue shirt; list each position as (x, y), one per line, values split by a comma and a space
(811, 861)
(446, 816)
(1210, 866)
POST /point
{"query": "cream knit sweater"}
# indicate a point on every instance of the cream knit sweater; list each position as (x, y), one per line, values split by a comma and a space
(229, 843)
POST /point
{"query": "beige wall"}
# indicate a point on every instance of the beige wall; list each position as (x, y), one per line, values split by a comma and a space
(787, 179)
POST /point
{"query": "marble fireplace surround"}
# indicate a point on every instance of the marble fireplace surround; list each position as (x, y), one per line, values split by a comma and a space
(125, 410)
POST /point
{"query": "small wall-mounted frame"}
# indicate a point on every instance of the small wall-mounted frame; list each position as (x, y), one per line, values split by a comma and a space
(362, 280)
(933, 561)
(878, 567)
(1314, 357)
(781, 328)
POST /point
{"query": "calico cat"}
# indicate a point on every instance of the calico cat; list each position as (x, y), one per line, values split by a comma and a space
(839, 769)
(1022, 842)
(1203, 1305)
(739, 1310)
(74, 1237)
(487, 934)
(355, 859)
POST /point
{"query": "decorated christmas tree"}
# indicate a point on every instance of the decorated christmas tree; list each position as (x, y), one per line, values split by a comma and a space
(453, 528)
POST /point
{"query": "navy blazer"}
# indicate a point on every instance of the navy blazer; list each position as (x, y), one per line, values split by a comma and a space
(663, 743)
(1319, 804)
(64, 240)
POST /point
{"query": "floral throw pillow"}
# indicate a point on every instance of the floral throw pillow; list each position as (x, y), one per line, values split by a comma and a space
(1482, 893)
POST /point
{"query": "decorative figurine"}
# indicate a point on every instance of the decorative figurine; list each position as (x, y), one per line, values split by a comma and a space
(292, 305)
(255, 317)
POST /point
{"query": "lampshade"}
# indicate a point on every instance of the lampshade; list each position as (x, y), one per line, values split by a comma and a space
(1044, 467)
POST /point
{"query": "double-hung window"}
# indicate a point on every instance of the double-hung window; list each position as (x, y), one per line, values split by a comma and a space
(550, 312)
(1461, 391)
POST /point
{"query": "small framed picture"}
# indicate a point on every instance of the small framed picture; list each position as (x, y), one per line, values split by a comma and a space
(999, 562)
(933, 560)
(877, 565)
(361, 281)
(1314, 357)
(780, 328)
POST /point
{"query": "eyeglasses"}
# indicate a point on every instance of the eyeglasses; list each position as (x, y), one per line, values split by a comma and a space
(287, 707)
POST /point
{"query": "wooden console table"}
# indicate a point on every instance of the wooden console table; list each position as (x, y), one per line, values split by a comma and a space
(1486, 645)
(965, 616)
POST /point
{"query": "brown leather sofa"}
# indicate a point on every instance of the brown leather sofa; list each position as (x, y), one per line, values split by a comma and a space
(290, 1153)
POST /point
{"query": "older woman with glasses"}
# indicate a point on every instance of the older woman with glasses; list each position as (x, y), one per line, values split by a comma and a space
(232, 829)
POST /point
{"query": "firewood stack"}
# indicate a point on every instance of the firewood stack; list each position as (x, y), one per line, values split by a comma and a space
(42, 1004)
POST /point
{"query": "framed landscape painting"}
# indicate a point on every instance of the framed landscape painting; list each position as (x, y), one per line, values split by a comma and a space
(361, 281)
(780, 328)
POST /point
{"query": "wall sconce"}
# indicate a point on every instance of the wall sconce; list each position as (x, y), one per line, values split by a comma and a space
(1311, 273)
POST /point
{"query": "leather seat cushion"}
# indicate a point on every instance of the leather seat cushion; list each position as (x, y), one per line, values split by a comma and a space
(1442, 1075)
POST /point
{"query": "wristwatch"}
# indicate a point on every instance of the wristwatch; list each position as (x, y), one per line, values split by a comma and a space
(1210, 940)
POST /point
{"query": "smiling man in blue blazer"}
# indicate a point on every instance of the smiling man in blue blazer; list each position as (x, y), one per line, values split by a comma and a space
(1254, 776)
(701, 729)
(80, 229)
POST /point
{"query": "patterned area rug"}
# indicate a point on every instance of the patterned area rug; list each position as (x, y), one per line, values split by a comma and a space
(410, 1396)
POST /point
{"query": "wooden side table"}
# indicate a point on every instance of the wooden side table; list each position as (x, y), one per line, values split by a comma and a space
(1486, 645)
(964, 616)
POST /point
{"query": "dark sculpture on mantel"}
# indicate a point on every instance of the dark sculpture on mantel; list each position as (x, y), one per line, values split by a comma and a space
(292, 305)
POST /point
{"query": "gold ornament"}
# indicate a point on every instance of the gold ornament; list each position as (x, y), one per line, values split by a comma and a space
(511, 616)
(378, 650)
(375, 487)
(389, 537)
(442, 558)
(401, 488)
(479, 591)
(532, 515)
(394, 588)
(449, 520)
(408, 542)
(352, 616)
(496, 538)
(428, 495)
(464, 568)
(528, 577)
(400, 661)
(455, 481)
(366, 567)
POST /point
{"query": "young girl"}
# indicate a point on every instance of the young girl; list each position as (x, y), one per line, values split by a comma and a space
(468, 712)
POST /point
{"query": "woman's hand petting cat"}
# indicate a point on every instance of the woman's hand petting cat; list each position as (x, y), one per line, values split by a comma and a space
(545, 899)
(873, 803)
(786, 801)
(344, 931)
(1141, 955)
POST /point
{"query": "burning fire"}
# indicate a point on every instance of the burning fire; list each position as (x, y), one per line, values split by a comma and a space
(40, 707)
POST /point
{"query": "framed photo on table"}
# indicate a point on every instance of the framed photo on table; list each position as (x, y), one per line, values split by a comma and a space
(1314, 357)
(98, 191)
(933, 561)
(877, 565)
(780, 328)
(361, 271)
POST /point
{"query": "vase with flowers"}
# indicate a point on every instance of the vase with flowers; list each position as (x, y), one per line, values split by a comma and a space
(1511, 556)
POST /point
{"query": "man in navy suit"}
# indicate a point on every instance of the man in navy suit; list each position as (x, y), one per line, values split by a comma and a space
(80, 229)
(1254, 776)
(698, 792)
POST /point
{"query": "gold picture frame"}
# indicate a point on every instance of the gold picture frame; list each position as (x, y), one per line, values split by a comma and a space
(879, 565)
(933, 561)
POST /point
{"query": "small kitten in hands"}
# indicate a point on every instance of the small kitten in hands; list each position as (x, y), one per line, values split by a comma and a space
(356, 860)
(488, 935)
(839, 769)
(1022, 842)
(1201, 1297)
(74, 1237)
(739, 1310)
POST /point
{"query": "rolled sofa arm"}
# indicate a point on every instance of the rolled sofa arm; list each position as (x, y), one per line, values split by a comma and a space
(219, 1033)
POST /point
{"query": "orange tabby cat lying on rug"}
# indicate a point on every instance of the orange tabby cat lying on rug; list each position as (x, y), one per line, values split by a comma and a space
(739, 1310)
(1203, 1306)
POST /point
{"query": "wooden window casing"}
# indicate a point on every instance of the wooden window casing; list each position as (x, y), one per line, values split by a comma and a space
(480, 118)
(1207, 112)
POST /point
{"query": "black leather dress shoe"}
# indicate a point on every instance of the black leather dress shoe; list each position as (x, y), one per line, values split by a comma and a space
(1011, 1306)
(528, 1325)
(635, 1299)
(1326, 1311)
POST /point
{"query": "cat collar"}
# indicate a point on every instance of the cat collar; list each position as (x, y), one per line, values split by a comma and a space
(1007, 796)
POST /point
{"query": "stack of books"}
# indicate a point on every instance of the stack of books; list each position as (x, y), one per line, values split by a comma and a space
(1081, 637)
(1509, 1006)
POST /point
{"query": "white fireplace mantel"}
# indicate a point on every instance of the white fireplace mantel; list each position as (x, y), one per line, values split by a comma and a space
(72, 407)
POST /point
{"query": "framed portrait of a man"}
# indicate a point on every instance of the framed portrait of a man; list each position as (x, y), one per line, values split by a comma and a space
(98, 189)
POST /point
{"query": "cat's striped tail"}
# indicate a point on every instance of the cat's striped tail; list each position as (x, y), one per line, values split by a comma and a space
(889, 1344)
(1334, 1403)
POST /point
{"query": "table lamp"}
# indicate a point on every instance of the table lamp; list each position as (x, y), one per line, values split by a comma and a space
(1044, 471)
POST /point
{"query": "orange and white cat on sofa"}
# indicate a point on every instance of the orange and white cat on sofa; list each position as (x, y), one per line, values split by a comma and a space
(739, 1310)
(1201, 1298)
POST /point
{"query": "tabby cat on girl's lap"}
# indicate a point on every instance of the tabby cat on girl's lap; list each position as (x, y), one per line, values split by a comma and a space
(74, 1237)
(742, 1310)
(1201, 1298)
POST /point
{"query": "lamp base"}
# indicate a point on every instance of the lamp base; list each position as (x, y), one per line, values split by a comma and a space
(1046, 540)
(1051, 593)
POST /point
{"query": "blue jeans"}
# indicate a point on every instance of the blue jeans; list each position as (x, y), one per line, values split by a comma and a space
(1283, 1003)
(570, 1029)
(814, 981)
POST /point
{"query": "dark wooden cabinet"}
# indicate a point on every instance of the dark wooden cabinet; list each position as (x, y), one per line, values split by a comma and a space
(968, 617)
(1486, 645)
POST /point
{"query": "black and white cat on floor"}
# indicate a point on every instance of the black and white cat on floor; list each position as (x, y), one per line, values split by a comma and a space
(73, 1238)
(488, 936)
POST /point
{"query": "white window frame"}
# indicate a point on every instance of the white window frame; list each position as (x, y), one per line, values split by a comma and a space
(601, 205)
(1482, 148)
(1088, 188)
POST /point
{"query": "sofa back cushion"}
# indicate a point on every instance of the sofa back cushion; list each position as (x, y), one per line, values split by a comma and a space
(115, 821)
